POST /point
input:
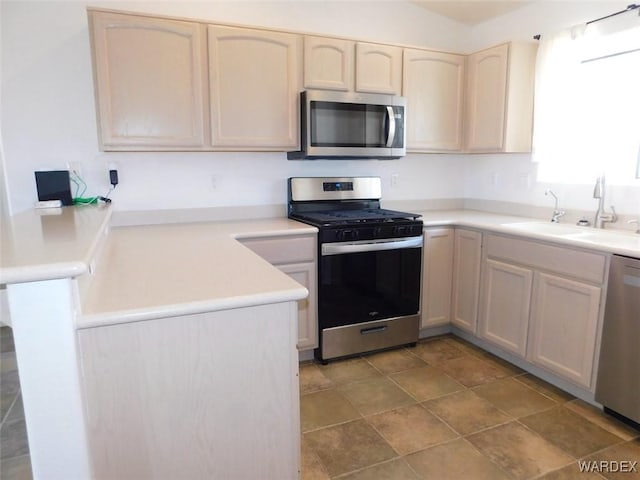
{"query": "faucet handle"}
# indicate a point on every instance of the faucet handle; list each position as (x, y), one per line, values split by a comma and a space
(636, 221)
(614, 215)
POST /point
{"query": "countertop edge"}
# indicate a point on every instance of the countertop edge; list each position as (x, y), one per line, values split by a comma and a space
(42, 272)
(502, 229)
(167, 311)
(53, 270)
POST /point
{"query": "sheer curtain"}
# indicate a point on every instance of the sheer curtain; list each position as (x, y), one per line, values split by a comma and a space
(558, 100)
(587, 119)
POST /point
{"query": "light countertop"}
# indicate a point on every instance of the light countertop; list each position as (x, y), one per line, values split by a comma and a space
(50, 243)
(178, 269)
(602, 240)
(142, 272)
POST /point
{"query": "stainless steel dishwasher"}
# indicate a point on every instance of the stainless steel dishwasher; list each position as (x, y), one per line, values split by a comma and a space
(618, 385)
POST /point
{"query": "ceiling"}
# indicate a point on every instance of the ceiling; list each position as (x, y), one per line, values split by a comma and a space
(471, 12)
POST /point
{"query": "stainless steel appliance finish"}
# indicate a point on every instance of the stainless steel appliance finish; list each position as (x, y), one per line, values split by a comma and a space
(618, 385)
(350, 125)
(314, 188)
(366, 337)
(369, 264)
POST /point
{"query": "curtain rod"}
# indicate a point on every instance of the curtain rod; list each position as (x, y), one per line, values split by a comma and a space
(633, 6)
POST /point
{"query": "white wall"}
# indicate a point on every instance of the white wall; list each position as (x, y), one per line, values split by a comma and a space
(540, 17)
(512, 178)
(48, 114)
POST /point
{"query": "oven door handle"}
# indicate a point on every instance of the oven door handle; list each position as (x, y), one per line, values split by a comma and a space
(370, 246)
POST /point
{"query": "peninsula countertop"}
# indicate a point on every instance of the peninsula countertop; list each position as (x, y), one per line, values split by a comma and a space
(45, 244)
(157, 271)
(149, 271)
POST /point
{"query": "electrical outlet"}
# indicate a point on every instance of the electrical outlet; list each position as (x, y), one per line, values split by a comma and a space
(75, 167)
(394, 179)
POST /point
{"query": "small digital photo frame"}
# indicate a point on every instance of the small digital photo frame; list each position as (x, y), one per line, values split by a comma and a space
(54, 185)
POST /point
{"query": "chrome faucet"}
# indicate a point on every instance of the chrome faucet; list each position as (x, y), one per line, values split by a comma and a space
(602, 216)
(555, 217)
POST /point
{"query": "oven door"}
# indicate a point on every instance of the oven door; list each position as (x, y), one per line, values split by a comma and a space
(370, 280)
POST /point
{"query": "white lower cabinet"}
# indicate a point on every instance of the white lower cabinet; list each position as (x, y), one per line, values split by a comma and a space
(451, 263)
(564, 320)
(437, 260)
(192, 396)
(543, 302)
(467, 260)
(305, 274)
(505, 307)
(295, 256)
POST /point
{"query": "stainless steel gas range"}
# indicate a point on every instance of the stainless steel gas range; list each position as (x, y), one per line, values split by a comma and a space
(369, 264)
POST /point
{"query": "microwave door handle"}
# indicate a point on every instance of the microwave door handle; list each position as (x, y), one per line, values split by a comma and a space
(391, 119)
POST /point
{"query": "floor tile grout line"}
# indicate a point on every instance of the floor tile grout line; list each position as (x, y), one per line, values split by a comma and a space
(13, 402)
(542, 393)
(345, 474)
(606, 417)
(621, 440)
(583, 418)
(488, 458)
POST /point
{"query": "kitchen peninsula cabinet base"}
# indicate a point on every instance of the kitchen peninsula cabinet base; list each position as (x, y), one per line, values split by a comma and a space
(212, 395)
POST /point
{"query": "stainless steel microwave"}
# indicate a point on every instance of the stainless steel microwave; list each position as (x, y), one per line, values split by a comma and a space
(343, 125)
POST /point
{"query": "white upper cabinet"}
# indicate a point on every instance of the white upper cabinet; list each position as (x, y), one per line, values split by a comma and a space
(348, 66)
(433, 84)
(378, 68)
(149, 77)
(166, 84)
(328, 63)
(499, 102)
(254, 83)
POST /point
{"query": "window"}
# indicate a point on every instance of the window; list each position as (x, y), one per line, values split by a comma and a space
(587, 113)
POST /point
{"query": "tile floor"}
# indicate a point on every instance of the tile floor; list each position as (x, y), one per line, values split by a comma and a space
(448, 410)
(14, 448)
(442, 410)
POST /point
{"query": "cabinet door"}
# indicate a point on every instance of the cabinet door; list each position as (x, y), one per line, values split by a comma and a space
(486, 99)
(467, 258)
(149, 82)
(254, 85)
(328, 63)
(437, 264)
(378, 68)
(433, 84)
(564, 320)
(305, 275)
(506, 305)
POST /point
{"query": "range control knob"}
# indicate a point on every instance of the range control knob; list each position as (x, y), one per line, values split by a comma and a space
(400, 230)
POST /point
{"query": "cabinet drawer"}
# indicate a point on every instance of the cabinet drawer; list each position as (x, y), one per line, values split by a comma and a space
(283, 249)
(574, 263)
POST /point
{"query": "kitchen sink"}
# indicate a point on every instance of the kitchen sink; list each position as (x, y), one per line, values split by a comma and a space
(626, 240)
(547, 228)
